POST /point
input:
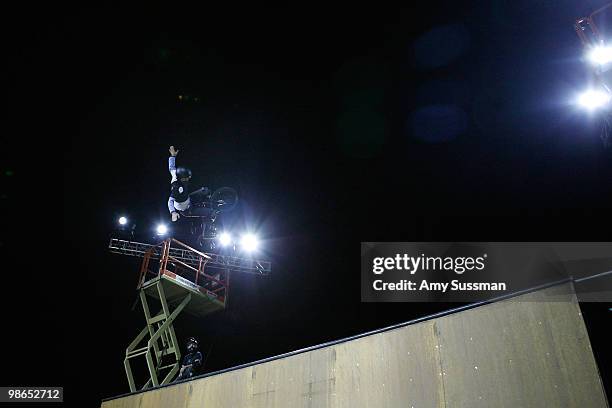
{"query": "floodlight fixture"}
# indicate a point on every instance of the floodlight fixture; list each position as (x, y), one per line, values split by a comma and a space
(601, 55)
(162, 229)
(225, 239)
(594, 99)
(249, 242)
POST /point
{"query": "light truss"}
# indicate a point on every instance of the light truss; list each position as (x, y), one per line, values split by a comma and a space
(234, 264)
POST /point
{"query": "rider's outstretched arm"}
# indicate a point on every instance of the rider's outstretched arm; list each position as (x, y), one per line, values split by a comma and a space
(172, 169)
(172, 163)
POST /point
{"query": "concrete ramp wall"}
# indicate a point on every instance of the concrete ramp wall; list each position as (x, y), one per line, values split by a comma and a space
(527, 351)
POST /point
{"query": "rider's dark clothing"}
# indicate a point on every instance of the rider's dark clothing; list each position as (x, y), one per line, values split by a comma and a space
(179, 191)
(181, 199)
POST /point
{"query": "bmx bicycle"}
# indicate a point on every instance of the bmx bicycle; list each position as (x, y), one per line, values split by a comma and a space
(204, 216)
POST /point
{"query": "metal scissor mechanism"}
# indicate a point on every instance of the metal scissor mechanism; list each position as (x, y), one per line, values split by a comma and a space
(161, 341)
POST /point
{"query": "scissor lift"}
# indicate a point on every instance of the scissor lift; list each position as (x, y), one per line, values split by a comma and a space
(179, 278)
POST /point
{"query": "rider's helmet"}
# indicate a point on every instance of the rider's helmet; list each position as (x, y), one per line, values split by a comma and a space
(192, 344)
(183, 173)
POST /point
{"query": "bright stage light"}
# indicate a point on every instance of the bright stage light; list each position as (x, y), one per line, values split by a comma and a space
(249, 242)
(225, 239)
(594, 99)
(122, 220)
(161, 229)
(601, 55)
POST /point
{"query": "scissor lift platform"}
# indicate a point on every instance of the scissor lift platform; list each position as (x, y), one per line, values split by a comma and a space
(203, 302)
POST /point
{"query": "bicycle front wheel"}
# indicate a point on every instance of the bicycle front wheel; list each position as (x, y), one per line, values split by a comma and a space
(224, 199)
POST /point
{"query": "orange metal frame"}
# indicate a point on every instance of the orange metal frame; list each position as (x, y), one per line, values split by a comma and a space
(161, 252)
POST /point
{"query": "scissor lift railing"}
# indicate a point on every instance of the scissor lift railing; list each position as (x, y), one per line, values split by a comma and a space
(188, 256)
(178, 286)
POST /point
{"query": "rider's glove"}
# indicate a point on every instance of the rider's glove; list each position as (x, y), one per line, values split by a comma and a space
(175, 216)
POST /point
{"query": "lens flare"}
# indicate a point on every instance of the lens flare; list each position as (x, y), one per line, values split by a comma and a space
(249, 242)
(601, 55)
(593, 99)
(225, 239)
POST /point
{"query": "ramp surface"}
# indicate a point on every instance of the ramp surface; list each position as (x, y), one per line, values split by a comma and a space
(531, 350)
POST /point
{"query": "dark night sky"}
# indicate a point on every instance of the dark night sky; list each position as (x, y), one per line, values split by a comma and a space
(336, 125)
